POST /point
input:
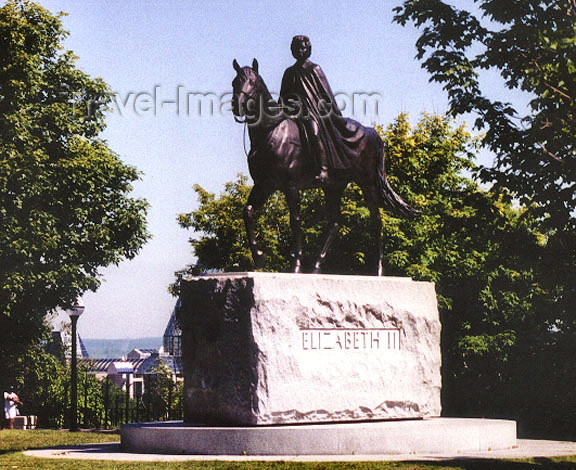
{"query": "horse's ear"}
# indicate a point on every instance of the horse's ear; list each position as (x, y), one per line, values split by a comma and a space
(255, 65)
(236, 66)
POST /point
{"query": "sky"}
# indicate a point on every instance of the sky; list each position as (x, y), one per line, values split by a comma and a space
(153, 54)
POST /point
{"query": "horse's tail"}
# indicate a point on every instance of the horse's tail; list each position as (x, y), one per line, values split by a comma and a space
(388, 198)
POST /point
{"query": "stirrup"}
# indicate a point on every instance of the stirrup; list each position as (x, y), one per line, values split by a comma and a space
(323, 175)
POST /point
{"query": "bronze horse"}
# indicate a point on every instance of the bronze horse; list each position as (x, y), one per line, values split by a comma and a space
(278, 160)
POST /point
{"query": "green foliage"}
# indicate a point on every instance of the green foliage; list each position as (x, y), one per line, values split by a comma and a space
(42, 383)
(222, 244)
(532, 46)
(424, 164)
(64, 205)
(163, 397)
(91, 404)
(527, 46)
(225, 248)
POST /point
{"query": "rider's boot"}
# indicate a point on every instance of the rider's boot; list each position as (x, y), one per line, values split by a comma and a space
(323, 160)
(323, 175)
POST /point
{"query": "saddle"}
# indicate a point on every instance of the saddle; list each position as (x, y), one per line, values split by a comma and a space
(343, 148)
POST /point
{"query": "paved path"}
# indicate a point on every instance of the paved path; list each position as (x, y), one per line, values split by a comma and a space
(525, 449)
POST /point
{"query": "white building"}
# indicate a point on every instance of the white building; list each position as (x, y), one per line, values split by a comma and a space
(131, 371)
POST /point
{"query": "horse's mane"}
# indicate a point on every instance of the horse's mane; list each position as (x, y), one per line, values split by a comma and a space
(263, 88)
(273, 107)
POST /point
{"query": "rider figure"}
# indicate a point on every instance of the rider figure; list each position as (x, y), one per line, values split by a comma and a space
(306, 95)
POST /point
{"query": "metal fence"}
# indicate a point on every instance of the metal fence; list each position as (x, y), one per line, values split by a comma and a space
(111, 406)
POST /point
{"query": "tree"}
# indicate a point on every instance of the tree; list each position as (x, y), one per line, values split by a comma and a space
(65, 209)
(435, 151)
(527, 46)
(163, 397)
(223, 244)
(531, 44)
(41, 383)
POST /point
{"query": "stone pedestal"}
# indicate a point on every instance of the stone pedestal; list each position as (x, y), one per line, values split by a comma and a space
(263, 348)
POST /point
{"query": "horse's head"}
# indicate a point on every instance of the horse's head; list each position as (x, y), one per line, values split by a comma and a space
(246, 86)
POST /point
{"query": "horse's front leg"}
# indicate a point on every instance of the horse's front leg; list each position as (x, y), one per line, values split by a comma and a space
(256, 200)
(293, 201)
(333, 197)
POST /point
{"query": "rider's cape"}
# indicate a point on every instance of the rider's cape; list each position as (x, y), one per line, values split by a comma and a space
(306, 95)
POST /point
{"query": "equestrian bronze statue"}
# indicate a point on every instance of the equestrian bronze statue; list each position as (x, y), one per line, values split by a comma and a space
(285, 141)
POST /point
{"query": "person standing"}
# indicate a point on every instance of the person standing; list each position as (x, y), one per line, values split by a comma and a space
(11, 401)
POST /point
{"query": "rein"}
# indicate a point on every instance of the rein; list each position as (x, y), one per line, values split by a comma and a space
(245, 121)
(244, 138)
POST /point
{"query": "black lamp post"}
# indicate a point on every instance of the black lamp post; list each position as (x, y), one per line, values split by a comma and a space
(128, 384)
(74, 312)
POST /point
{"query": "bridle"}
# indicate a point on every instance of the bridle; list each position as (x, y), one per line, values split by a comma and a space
(240, 94)
(243, 93)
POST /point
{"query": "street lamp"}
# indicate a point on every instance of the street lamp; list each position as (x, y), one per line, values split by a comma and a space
(128, 384)
(74, 312)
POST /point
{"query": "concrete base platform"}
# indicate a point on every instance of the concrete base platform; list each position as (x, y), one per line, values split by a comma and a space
(429, 436)
(526, 449)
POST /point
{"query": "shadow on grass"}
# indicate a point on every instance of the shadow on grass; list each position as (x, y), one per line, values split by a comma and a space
(6, 452)
(536, 463)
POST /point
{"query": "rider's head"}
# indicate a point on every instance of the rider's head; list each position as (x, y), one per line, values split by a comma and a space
(301, 47)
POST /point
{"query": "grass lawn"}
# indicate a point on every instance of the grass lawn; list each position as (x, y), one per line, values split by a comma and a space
(13, 442)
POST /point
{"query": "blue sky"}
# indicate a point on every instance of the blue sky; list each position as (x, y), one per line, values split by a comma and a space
(141, 46)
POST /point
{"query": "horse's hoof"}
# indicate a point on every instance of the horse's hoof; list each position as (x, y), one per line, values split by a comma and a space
(297, 268)
(259, 260)
(316, 270)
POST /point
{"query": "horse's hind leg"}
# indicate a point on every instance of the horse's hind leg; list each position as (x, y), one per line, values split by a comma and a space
(256, 200)
(333, 197)
(376, 225)
(293, 199)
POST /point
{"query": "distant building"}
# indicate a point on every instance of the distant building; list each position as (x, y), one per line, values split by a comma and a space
(120, 371)
(173, 335)
(134, 370)
(137, 354)
(60, 345)
(141, 365)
